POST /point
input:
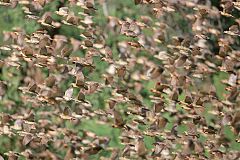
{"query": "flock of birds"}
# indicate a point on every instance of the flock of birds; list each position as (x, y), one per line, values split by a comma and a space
(55, 83)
